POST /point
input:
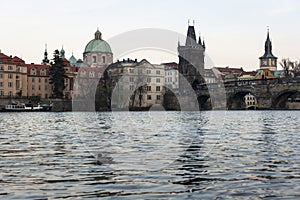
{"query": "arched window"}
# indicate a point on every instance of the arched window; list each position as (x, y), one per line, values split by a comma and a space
(32, 71)
(43, 72)
(92, 74)
(94, 59)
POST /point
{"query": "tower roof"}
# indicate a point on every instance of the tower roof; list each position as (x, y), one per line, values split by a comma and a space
(268, 48)
(191, 36)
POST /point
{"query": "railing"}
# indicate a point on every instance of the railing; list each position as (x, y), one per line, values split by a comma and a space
(241, 83)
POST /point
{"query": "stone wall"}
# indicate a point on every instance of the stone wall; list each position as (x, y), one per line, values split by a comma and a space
(61, 105)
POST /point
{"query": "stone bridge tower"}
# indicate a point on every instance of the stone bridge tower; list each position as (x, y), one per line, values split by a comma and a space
(191, 60)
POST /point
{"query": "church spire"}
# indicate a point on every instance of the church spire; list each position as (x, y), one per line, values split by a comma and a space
(45, 60)
(62, 52)
(268, 47)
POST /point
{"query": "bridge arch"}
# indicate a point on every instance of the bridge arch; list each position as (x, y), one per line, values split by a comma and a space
(280, 100)
(236, 101)
(204, 102)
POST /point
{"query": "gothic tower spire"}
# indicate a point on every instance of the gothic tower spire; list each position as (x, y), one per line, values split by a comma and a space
(268, 60)
(45, 60)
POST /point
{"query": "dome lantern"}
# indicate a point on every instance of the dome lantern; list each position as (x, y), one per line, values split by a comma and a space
(98, 35)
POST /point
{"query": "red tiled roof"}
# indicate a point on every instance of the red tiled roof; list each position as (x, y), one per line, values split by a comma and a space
(38, 68)
(11, 60)
(173, 65)
(252, 73)
(228, 70)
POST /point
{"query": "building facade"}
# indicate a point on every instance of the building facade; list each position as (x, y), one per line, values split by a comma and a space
(38, 83)
(13, 76)
(136, 85)
(250, 102)
(171, 75)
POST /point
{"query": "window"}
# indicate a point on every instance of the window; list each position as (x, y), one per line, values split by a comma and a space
(10, 67)
(157, 88)
(148, 88)
(46, 87)
(10, 76)
(149, 80)
(94, 59)
(157, 72)
(40, 80)
(1, 75)
(92, 74)
(1, 84)
(32, 87)
(103, 59)
(33, 71)
(131, 79)
(33, 80)
(131, 87)
(148, 97)
(10, 84)
(157, 97)
(39, 87)
(1, 67)
(10, 93)
(157, 80)
(1, 93)
(43, 72)
(131, 70)
(46, 96)
(148, 71)
(46, 80)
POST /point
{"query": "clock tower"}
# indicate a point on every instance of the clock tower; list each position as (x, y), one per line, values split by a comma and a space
(268, 60)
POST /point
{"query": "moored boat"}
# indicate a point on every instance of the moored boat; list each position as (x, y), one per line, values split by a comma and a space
(29, 107)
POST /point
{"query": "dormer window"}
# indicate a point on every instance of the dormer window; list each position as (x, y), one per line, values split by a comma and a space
(33, 71)
(103, 59)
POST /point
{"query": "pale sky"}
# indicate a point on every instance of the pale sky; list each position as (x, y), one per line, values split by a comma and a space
(234, 30)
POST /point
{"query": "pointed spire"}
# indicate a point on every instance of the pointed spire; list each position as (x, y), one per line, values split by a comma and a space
(62, 52)
(45, 60)
(203, 44)
(268, 46)
(199, 40)
(191, 37)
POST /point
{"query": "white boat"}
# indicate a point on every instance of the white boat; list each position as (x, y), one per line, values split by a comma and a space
(20, 107)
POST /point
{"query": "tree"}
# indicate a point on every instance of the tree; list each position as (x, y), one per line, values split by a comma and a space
(140, 86)
(286, 65)
(290, 68)
(295, 68)
(57, 75)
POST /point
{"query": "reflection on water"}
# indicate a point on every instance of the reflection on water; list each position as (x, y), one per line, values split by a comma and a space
(150, 155)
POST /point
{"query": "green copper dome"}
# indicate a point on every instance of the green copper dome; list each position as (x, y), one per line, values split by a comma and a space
(72, 60)
(97, 45)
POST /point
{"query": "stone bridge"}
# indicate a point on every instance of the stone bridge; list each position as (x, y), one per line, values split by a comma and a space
(270, 94)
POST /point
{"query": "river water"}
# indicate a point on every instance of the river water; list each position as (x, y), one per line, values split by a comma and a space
(150, 155)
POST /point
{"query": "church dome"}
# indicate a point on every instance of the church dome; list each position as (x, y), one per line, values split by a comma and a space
(72, 60)
(97, 45)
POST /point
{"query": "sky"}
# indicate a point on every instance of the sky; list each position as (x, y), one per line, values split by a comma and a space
(234, 30)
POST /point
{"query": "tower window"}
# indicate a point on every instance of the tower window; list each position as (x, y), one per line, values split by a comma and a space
(94, 59)
(103, 59)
